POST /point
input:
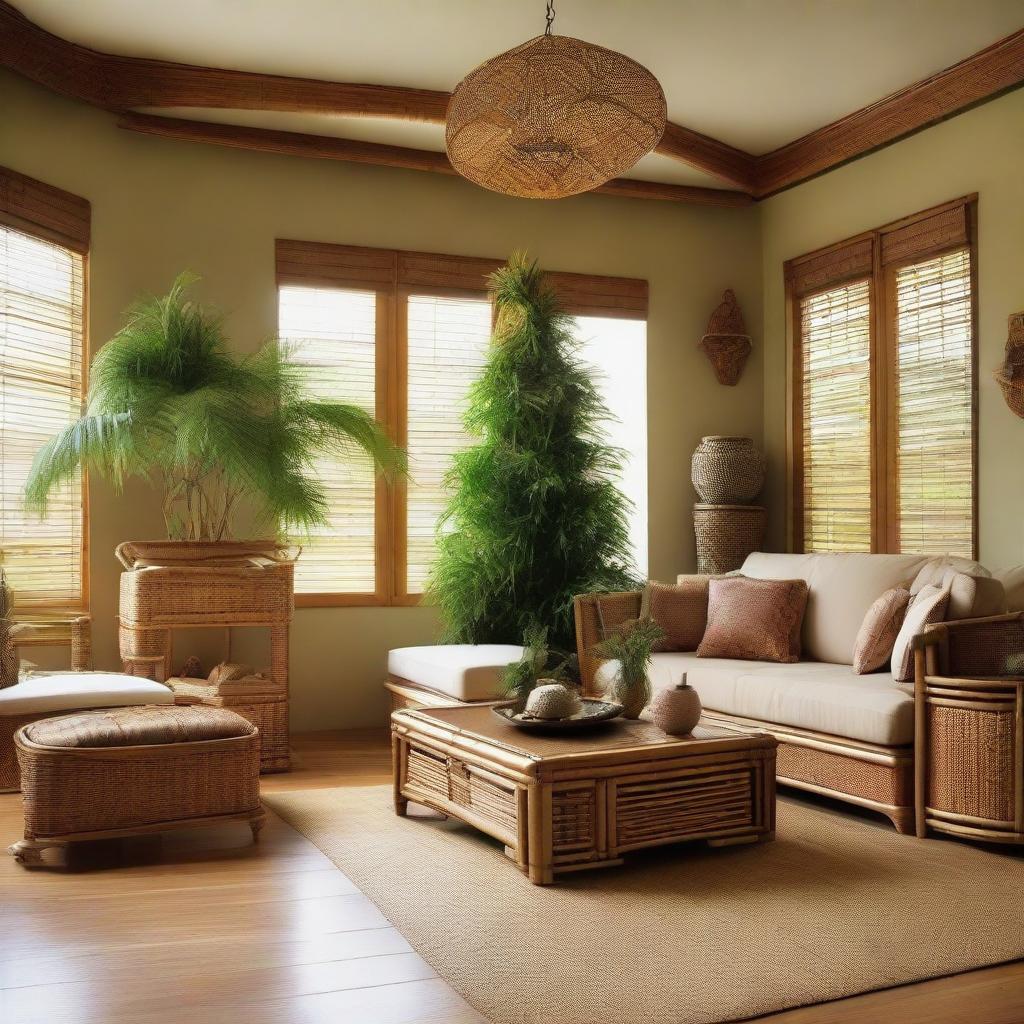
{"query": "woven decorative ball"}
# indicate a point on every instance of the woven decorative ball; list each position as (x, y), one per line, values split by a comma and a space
(551, 701)
(727, 470)
(554, 117)
(676, 711)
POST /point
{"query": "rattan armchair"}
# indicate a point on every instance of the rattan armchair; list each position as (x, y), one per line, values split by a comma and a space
(51, 631)
(969, 729)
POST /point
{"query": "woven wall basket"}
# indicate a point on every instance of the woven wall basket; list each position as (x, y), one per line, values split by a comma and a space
(1011, 374)
(553, 117)
(726, 534)
(726, 343)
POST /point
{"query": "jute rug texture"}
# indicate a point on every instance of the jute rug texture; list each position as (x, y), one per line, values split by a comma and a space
(683, 935)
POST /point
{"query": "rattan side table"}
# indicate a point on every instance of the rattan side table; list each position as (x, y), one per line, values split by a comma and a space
(969, 729)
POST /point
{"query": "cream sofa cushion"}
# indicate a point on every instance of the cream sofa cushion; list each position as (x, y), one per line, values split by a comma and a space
(935, 572)
(77, 691)
(972, 596)
(927, 608)
(806, 695)
(469, 672)
(842, 587)
(1012, 580)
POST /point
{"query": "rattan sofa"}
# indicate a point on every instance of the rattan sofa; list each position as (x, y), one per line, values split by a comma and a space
(840, 734)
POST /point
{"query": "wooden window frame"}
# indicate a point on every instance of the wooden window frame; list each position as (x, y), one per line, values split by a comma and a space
(876, 256)
(394, 275)
(62, 218)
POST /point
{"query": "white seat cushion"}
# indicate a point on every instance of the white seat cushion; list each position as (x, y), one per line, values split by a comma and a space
(467, 672)
(76, 691)
(807, 695)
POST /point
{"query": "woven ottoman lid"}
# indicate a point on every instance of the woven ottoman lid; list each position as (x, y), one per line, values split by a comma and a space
(151, 725)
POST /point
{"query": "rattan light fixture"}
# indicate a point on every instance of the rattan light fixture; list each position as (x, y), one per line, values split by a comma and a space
(554, 117)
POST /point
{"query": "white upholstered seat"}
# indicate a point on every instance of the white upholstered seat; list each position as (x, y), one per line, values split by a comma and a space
(808, 695)
(469, 672)
(74, 691)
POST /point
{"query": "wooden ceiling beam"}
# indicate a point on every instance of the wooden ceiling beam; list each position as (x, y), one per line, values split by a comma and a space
(122, 84)
(324, 147)
(708, 154)
(994, 70)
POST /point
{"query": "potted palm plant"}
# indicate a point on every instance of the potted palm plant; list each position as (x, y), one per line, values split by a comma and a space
(213, 431)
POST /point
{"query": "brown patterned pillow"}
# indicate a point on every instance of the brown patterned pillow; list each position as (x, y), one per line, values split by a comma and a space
(681, 611)
(878, 631)
(754, 620)
(928, 607)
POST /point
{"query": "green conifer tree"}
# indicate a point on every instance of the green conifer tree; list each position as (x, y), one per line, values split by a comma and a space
(535, 517)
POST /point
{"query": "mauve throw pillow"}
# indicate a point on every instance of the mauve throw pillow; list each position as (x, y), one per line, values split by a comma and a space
(878, 631)
(680, 610)
(927, 608)
(754, 620)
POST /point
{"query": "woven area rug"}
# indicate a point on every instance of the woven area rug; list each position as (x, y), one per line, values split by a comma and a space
(686, 935)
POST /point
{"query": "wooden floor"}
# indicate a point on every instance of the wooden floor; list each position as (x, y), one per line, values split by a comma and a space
(203, 927)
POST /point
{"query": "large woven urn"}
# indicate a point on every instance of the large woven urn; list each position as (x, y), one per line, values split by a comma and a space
(727, 470)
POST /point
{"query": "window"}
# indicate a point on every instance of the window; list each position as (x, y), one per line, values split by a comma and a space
(884, 389)
(43, 245)
(405, 335)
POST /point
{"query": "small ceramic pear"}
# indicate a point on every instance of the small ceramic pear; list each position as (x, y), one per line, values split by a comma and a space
(676, 711)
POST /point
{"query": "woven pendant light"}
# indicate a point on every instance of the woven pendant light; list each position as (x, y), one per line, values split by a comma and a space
(554, 117)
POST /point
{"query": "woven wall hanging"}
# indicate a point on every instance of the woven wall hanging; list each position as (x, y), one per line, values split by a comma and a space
(726, 342)
(1011, 374)
(554, 117)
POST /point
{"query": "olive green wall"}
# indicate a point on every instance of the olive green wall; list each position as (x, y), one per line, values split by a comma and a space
(161, 206)
(979, 151)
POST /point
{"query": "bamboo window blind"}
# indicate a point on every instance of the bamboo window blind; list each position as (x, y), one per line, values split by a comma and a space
(884, 444)
(835, 326)
(934, 413)
(44, 238)
(332, 333)
(447, 349)
(404, 334)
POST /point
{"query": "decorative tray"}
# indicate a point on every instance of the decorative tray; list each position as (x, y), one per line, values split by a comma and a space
(594, 712)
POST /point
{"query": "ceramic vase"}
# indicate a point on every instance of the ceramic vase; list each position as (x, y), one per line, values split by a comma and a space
(634, 695)
(676, 711)
(727, 470)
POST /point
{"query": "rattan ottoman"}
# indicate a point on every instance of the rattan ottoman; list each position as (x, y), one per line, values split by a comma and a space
(131, 771)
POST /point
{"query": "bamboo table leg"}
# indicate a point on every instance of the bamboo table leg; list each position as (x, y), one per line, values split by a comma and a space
(398, 754)
(539, 859)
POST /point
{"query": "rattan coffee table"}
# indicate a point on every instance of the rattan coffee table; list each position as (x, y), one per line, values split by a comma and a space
(569, 802)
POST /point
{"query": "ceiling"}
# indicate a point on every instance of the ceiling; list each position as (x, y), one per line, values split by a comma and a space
(755, 74)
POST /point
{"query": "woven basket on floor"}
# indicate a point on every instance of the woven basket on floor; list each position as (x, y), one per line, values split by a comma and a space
(726, 534)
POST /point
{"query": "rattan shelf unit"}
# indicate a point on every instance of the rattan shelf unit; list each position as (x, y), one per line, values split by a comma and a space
(213, 586)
